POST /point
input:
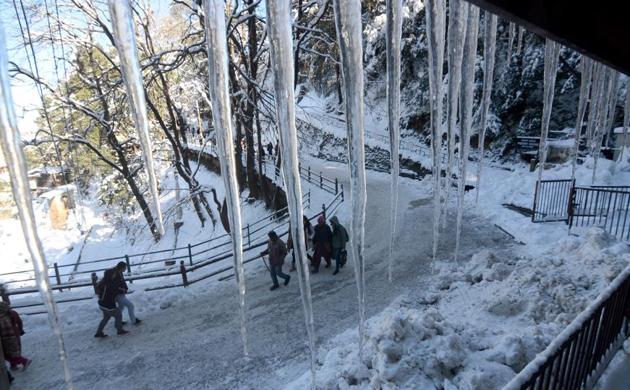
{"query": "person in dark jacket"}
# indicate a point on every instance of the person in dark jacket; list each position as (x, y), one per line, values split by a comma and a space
(339, 240)
(322, 241)
(277, 251)
(10, 331)
(270, 149)
(122, 289)
(108, 287)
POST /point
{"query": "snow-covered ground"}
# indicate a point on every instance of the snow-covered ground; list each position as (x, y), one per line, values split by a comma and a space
(467, 325)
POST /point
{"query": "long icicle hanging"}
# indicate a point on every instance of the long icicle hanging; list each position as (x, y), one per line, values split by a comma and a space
(457, 19)
(489, 50)
(606, 116)
(12, 149)
(125, 38)
(467, 96)
(511, 36)
(349, 35)
(392, 43)
(216, 40)
(519, 40)
(626, 123)
(435, 20)
(552, 52)
(597, 86)
(280, 39)
(586, 69)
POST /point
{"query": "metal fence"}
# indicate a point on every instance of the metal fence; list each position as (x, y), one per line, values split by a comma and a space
(607, 207)
(551, 200)
(576, 358)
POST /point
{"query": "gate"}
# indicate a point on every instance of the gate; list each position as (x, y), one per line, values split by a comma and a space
(607, 207)
(551, 200)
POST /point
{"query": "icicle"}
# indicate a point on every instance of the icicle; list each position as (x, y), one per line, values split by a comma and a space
(458, 14)
(435, 17)
(511, 34)
(597, 86)
(586, 68)
(222, 117)
(626, 123)
(468, 89)
(552, 51)
(14, 156)
(349, 35)
(280, 38)
(125, 38)
(606, 116)
(489, 50)
(392, 41)
(519, 40)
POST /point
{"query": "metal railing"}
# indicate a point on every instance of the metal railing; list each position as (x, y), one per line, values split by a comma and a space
(551, 200)
(578, 355)
(604, 206)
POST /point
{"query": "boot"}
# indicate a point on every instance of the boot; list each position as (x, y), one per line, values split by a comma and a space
(274, 287)
(286, 281)
(100, 335)
(122, 332)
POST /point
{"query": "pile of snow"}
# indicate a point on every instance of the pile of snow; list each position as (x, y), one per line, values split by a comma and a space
(479, 323)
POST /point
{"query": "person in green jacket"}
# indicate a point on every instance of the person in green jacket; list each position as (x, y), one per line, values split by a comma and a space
(339, 240)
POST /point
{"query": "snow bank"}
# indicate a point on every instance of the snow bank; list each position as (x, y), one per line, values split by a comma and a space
(479, 323)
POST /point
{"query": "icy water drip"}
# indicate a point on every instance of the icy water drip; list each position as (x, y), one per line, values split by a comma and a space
(626, 123)
(607, 114)
(458, 15)
(435, 14)
(222, 116)
(349, 35)
(468, 89)
(280, 38)
(392, 41)
(489, 51)
(11, 147)
(586, 68)
(519, 40)
(552, 51)
(511, 36)
(125, 38)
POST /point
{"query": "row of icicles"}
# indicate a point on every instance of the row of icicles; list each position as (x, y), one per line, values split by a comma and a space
(597, 92)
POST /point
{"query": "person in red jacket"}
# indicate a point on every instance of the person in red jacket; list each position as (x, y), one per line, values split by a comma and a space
(10, 331)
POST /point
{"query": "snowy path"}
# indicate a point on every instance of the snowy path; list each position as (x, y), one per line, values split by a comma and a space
(193, 342)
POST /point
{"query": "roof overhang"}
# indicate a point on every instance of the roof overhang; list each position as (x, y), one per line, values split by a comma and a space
(597, 29)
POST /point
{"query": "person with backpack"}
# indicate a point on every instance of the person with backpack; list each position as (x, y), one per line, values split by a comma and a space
(122, 289)
(107, 289)
(322, 241)
(339, 240)
(10, 332)
(277, 251)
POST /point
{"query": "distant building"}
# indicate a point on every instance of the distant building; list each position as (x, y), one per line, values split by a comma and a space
(618, 141)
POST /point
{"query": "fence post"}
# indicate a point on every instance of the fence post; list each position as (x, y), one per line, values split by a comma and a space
(190, 255)
(57, 275)
(321, 183)
(309, 198)
(94, 280)
(342, 199)
(128, 267)
(309, 174)
(535, 200)
(336, 186)
(249, 241)
(182, 269)
(324, 210)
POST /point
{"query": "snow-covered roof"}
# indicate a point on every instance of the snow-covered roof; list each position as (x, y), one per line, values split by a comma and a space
(618, 130)
(46, 170)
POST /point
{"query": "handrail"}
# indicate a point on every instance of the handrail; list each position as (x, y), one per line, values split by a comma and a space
(195, 264)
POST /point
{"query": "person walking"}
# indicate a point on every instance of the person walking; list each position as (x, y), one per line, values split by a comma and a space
(107, 289)
(339, 240)
(308, 241)
(277, 251)
(10, 332)
(322, 241)
(270, 149)
(122, 289)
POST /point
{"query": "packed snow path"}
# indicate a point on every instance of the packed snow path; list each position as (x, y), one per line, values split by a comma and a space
(194, 341)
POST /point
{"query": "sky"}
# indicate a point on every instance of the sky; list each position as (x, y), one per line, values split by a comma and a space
(25, 96)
